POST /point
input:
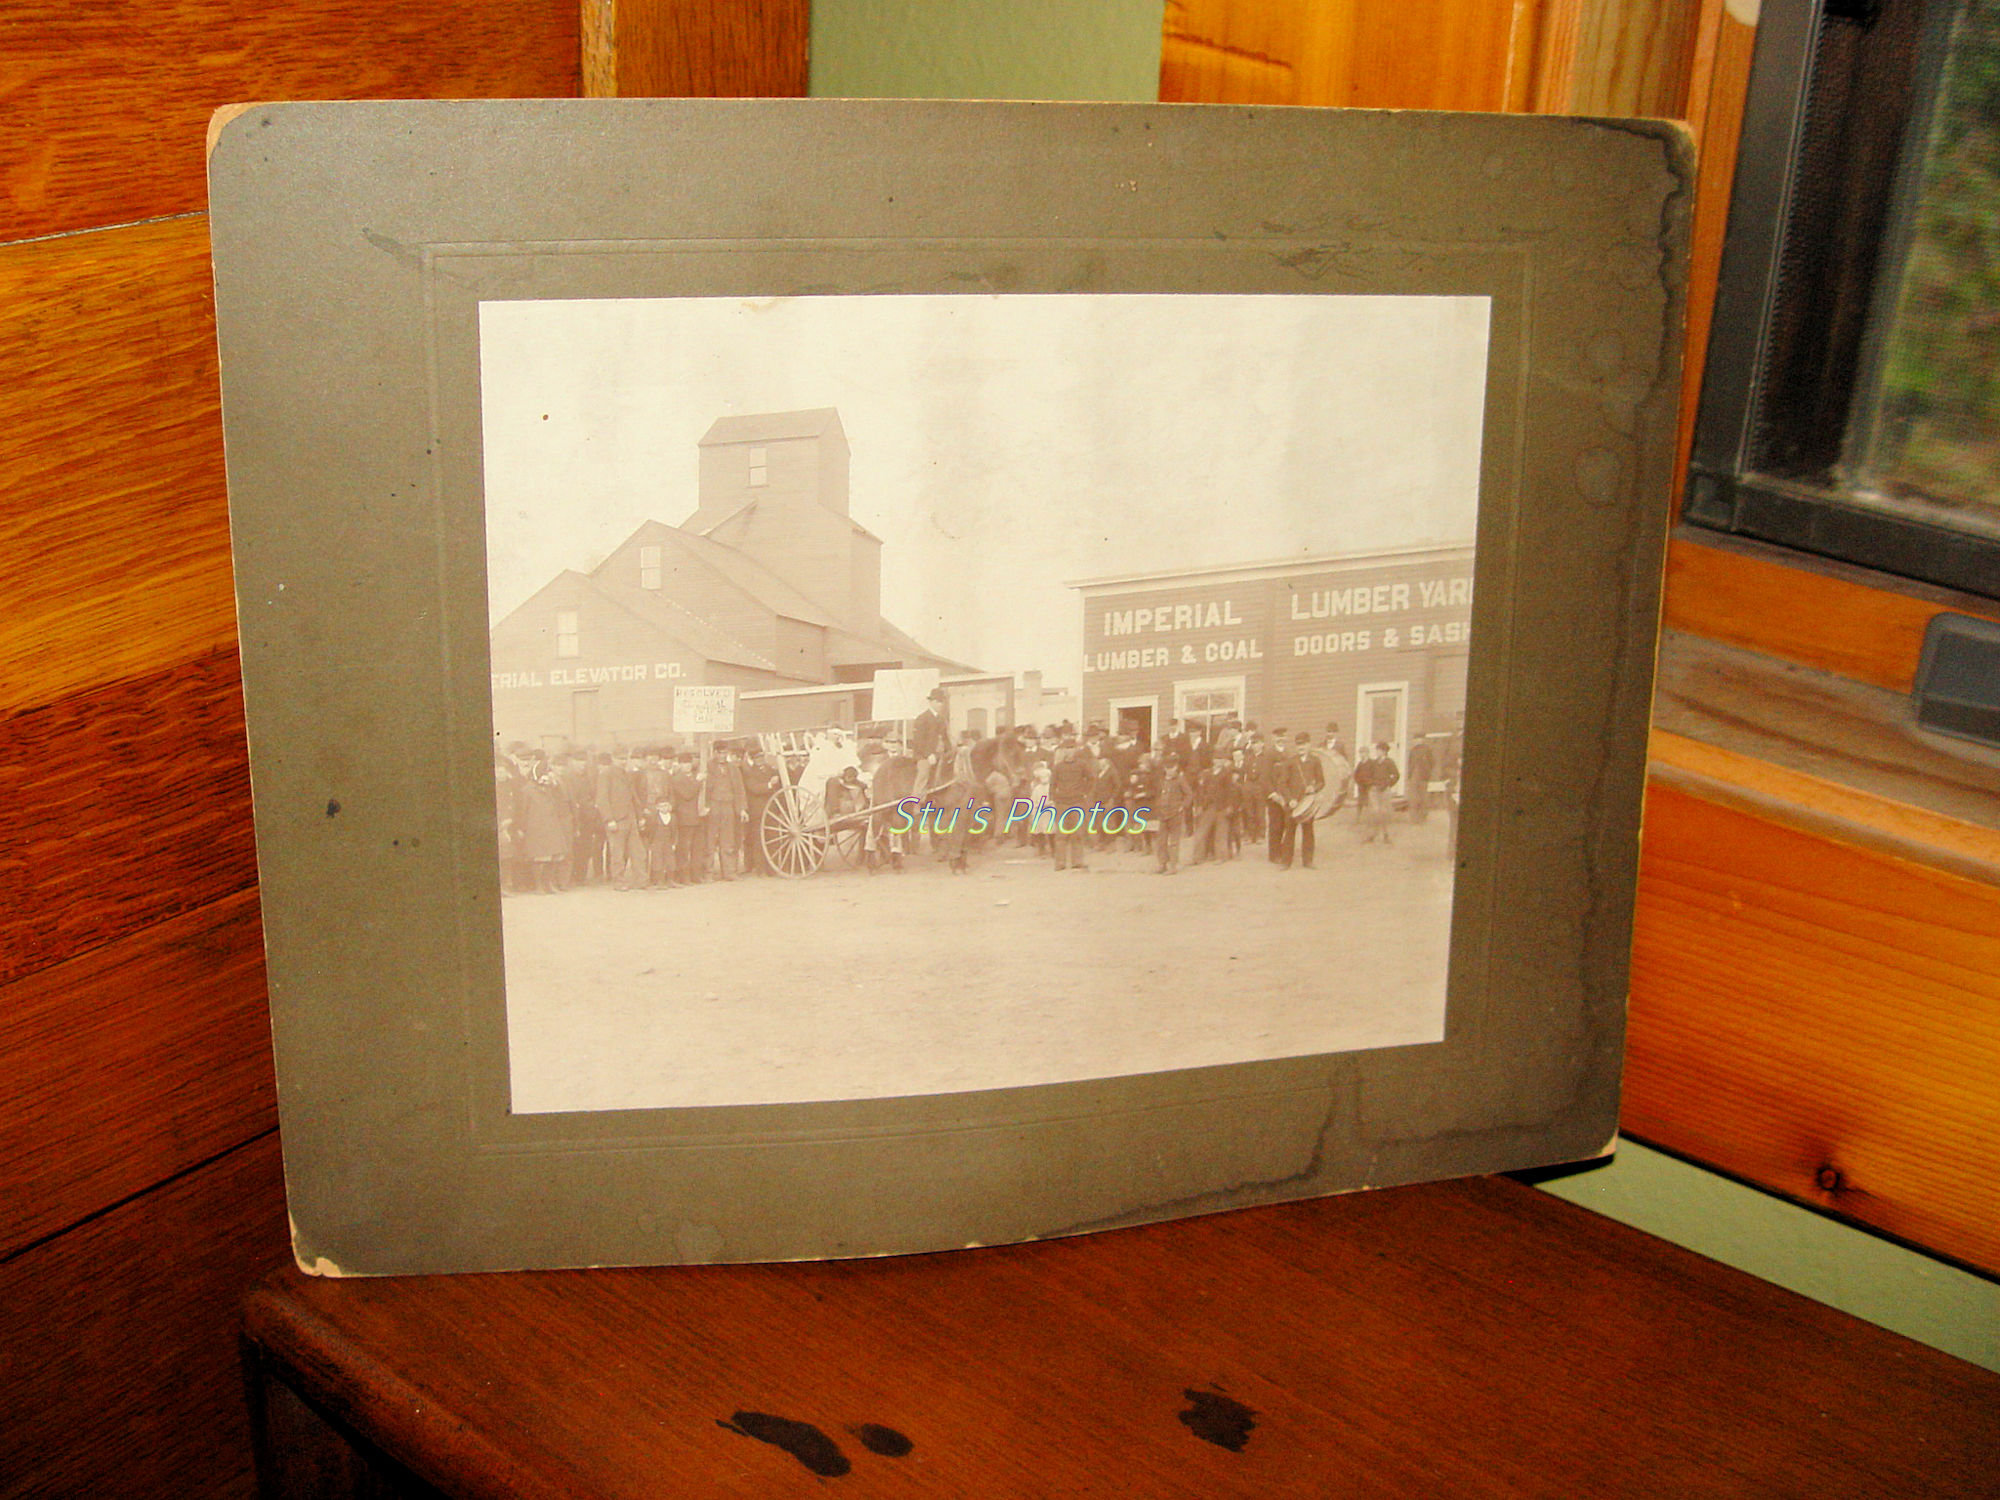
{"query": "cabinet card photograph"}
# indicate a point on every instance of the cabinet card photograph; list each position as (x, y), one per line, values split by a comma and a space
(848, 678)
(910, 695)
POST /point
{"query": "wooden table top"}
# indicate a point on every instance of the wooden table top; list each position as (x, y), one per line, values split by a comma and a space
(1457, 1339)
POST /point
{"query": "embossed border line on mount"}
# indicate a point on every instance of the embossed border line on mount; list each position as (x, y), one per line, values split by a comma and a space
(1501, 270)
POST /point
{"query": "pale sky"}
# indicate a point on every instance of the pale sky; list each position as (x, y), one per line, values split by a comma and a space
(1003, 446)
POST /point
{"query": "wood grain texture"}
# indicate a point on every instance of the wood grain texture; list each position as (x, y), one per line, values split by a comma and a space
(107, 100)
(128, 804)
(1719, 85)
(301, 1454)
(1822, 615)
(1820, 1019)
(1638, 58)
(1828, 809)
(131, 1064)
(1547, 41)
(111, 483)
(1545, 56)
(118, 1340)
(1215, 52)
(708, 49)
(1455, 54)
(1467, 1339)
(1817, 739)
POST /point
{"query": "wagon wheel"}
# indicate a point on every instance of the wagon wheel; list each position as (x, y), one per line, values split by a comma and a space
(847, 838)
(793, 833)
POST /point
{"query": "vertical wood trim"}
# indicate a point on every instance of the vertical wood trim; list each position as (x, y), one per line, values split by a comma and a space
(600, 49)
(1326, 55)
(1635, 57)
(1557, 29)
(702, 49)
(1595, 57)
(1699, 86)
(1717, 116)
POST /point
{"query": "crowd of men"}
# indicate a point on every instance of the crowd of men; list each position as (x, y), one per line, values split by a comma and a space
(1218, 794)
(644, 817)
(657, 817)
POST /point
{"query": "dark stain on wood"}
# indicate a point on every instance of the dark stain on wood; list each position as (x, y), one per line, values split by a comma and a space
(1218, 1419)
(802, 1440)
(883, 1440)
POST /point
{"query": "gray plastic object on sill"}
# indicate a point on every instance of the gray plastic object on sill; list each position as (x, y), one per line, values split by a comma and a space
(1958, 678)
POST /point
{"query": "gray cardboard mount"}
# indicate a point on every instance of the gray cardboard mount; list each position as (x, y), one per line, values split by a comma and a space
(353, 243)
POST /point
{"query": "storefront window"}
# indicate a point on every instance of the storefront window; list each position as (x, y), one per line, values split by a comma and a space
(1206, 705)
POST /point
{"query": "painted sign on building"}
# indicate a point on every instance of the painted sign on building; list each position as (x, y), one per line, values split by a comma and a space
(1377, 645)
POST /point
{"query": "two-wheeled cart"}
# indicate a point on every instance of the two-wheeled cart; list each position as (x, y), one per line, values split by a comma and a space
(796, 832)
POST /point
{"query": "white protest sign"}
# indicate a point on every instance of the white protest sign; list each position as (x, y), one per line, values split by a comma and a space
(705, 710)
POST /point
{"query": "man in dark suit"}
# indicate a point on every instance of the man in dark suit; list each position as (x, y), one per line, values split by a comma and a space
(1252, 809)
(619, 800)
(1070, 782)
(1312, 781)
(1200, 751)
(727, 811)
(930, 743)
(1279, 793)
(688, 787)
(1170, 796)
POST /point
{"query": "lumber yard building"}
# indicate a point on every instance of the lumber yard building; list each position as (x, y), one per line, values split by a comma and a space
(1375, 643)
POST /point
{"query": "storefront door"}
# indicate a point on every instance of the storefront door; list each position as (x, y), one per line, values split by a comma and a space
(1134, 716)
(1382, 715)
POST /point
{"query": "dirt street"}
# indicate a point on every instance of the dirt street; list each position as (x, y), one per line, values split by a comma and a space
(849, 985)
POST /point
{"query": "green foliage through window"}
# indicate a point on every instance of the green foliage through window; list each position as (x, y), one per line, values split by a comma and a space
(1935, 436)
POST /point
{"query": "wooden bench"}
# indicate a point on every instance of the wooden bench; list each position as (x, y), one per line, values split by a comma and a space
(1457, 1339)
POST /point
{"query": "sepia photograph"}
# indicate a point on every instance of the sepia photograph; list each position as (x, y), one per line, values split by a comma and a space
(913, 695)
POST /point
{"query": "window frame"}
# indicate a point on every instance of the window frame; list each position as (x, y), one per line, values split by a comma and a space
(1725, 490)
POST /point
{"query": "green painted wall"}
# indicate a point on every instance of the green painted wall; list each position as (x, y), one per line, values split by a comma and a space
(1110, 49)
(1818, 1257)
(986, 49)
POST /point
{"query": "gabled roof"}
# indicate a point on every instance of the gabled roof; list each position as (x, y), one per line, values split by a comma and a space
(771, 426)
(846, 649)
(696, 526)
(663, 614)
(737, 569)
(714, 644)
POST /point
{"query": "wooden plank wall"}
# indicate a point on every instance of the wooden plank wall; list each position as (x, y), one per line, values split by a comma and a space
(140, 1186)
(1636, 57)
(1811, 1011)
